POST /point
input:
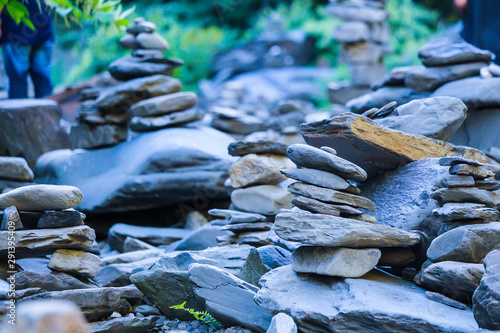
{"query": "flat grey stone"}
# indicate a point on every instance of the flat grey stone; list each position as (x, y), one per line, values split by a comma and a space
(242, 148)
(475, 92)
(145, 124)
(228, 298)
(125, 325)
(162, 105)
(319, 178)
(466, 194)
(460, 211)
(274, 256)
(86, 136)
(236, 216)
(262, 199)
(129, 257)
(452, 181)
(331, 231)
(60, 219)
(383, 96)
(129, 68)
(314, 158)
(449, 51)
(319, 207)
(468, 170)
(118, 274)
(133, 244)
(437, 297)
(374, 301)
(37, 198)
(202, 238)
(244, 227)
(456, 280)
(340, 261)
(486, 298)
(468, 243)
(49, 281)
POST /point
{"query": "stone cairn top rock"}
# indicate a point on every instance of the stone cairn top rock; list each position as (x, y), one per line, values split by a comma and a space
(257, 193)
(147, 100)
(365, 40)
(335, 237)
(470, 231)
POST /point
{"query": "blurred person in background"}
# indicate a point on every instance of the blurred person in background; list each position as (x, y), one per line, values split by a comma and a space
(28, 51)
(481, 24)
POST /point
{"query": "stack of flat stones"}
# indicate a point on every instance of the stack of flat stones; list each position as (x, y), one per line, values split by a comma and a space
(365, 39)
(337, 238)
(148, 100)
(256, 193)
(470, 231)
(41, 221)
(14, 172)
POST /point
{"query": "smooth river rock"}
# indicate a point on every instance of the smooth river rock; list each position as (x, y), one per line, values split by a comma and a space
(162, 105)
(76, 263)
(38, 198)
(15, 168)
(262, 199)
(255, 169)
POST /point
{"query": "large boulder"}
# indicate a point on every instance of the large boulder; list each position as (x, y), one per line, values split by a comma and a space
(376, 303)
(30, 127)
(155, 169)
(376, 148)
(486, 299)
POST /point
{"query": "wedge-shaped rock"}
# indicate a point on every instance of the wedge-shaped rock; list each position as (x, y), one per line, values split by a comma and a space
(376, 303)
(332, 196)
(38, 198)
(331, 231)
(255, 169)
(375, 148)
(486, 298)
(228, 298)
(454, 279)
(161, 105)
(469, 243)
(321, 178)
(95, 303)
(340, 261)
(466, 194)
(314, 158)
(236, 216)
(29, 243)
(460, 211)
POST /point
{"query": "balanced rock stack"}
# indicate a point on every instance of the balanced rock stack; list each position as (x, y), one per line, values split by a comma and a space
(149, 100)
(14, 172)
(471, 230)
(365, 38)
(254, 180)
(337, 238)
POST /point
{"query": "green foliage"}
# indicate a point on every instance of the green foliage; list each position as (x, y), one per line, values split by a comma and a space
(204, 317)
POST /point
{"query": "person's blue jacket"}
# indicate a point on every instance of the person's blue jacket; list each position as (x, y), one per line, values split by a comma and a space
(40, 16)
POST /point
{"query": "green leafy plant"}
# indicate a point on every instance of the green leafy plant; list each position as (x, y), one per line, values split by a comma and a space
(204, 316)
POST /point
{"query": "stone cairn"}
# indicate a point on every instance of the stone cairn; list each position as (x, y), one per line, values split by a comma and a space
(337, 238)
(45, 223)
(148, 100)
(364, 38)
(14, 172)
(469, 206)
(255, 194)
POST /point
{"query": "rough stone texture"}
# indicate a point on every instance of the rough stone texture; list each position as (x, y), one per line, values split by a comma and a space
(318, 177)
(460, 211)
(145, 124)
(486, 298)
(331, 231)
(167, 283)
(466, 194)
(236, 216)
(438, 118)
(456, 280)
(274, 256)
(133, 256)
(15, 168)
(162, 105)
(95, 303)
(76, 263)
(319, 207)
(48, 316)
(85, 136)
(468, 243)
(330, 196)
(377, 303)
(282, 323)
(49, 281)
(469, 170)
(118, 99)
(262, 199)
(125, 325)
(375, 148)
(38, 242)
(475, 92)
(255, 169)
(242, 148)
(151, 235)
(314, 158)
(452, 181)
(38, 198)
(228, 298)
(382, 97)
(30, 127)
(430, 78)
(168, 167)
(340, 261)
(449, 51)
(60, 219)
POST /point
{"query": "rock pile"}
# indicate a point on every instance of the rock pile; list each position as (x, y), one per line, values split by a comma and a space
(365, 38)
(255, 192)
(338, 238)
(471, 230)
(149, 100)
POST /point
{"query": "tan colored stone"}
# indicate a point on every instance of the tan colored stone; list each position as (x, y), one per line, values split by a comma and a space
(255, 169)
